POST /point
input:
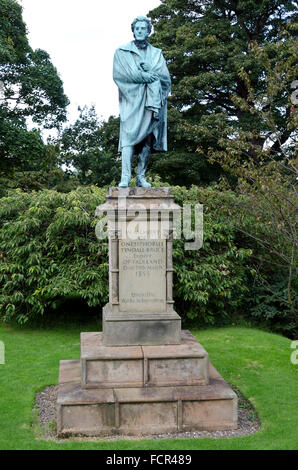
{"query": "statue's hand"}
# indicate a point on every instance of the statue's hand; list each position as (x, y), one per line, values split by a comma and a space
(149, 77)
(145, 66)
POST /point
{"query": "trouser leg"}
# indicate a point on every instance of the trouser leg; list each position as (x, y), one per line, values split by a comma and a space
(143, 159)
(126, 159)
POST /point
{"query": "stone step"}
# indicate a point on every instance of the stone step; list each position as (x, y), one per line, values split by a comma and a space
(142, 366)
(144, 410)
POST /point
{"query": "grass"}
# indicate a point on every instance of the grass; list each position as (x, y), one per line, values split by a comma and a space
(256, 362)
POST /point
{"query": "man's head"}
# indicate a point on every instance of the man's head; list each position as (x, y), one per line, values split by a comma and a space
(141, 28)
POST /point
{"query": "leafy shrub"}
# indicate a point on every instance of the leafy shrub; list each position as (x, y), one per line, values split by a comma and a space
(49, 254)
(48, 251)
(268, 305)
(210, 283)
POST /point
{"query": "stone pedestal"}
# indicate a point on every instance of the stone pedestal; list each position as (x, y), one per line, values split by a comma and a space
(142, 366)
(142, 375)
(140, 229)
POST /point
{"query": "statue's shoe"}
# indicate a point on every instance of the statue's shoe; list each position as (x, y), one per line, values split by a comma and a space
(123, 184)
(143, 183)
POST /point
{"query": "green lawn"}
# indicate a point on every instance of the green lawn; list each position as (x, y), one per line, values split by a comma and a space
(255, 361)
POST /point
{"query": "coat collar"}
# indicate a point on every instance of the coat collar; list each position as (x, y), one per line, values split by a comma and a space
(131, 47)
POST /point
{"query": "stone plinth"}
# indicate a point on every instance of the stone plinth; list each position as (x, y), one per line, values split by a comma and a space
(144, 410)
(140, 229)
(142, 366)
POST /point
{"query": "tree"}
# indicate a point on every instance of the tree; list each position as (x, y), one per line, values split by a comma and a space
(30, 89)
(267, 177)
(19, 147)
(91, 147)
(207, 45)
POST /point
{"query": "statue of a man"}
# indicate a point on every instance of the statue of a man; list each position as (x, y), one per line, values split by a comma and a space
(143, 79)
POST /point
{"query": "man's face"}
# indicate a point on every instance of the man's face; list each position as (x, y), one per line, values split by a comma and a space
(141, 31)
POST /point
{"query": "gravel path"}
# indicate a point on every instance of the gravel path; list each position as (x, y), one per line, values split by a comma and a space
(45, 403)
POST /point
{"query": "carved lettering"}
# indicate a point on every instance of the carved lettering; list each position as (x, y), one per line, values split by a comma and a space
(142, 275)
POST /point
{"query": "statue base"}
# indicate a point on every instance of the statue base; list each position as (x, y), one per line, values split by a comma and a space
(142, 375)
(141, 390)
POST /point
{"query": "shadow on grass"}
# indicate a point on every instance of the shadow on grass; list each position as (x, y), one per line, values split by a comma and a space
(71, 313)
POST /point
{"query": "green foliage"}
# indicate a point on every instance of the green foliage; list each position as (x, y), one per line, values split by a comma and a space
(181, 168)
(266, 216)
(30, 87)
(271, 307)
(211, 283)
(49, 252)
(49, 255)
(210, 49)
(91, 147)
(13, 40)
(43, 171)
(38, 180)
(18, 146)
(267, 176)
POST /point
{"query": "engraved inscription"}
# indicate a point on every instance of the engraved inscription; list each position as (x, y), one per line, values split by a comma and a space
(142, 275)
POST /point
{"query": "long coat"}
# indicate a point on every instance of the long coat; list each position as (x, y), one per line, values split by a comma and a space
(136, 117)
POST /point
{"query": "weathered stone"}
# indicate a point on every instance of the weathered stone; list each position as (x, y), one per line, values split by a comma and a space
(142, 275)
(184, 364)
(92, 347)
(147, 418)
(209, 415)
(87, 412)
(140, 228)
(109, 367)
(138, 328)
(161, 192)
(146, 410)
(73, 394)
(69, 372)
(135, 200)
(132, 366)
(90, 420)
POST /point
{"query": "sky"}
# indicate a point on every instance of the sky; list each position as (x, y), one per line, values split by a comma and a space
(81, 37)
